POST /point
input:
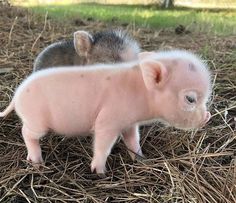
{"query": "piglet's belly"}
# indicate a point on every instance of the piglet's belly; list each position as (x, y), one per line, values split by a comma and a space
(71, 126)
(71, 122)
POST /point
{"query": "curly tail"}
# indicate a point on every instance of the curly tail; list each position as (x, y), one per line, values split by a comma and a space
(8, 109)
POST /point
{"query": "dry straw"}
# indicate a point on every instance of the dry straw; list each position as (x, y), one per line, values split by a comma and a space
(180, 166)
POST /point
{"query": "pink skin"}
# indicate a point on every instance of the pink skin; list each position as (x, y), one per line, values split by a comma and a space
(110, 100)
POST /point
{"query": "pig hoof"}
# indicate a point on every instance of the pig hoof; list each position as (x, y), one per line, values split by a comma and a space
(98, 169)
(140, 157)
(137, 156)
(101, 175)
(35, 160)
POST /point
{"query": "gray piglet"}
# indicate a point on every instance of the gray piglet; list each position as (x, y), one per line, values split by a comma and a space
(102, 47)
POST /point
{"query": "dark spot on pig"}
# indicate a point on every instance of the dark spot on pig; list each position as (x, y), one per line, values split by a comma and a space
(27, 90)
(108, 78)
(191, 67)
(82, 75)
(175, 62)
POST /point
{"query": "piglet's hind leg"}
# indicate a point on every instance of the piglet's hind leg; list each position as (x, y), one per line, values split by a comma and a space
(131, 139)
(31, 139)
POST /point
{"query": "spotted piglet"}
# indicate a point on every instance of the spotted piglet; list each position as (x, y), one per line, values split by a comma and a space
(109, 100)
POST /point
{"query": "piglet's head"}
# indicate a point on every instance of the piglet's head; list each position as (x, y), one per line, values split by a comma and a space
(105, 47)
(178, 85)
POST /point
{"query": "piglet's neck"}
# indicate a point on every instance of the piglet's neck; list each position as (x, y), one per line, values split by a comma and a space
(146, 108)
(155, 104)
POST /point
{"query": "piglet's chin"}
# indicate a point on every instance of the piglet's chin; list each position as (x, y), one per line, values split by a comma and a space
(187, 126)
(177, 125)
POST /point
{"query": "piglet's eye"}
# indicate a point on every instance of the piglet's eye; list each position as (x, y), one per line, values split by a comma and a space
(190, 100)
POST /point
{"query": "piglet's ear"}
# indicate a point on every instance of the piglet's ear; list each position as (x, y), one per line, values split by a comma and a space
(154, 73)
(145, 54)
(82, 42)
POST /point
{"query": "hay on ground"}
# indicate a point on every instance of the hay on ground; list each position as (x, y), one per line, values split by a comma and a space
(180, 166)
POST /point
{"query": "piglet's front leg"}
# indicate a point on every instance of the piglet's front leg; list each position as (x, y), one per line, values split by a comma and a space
(131, 139)
(103, 142)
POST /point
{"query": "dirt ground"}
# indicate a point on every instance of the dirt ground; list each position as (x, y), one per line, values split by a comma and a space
(180, 166)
